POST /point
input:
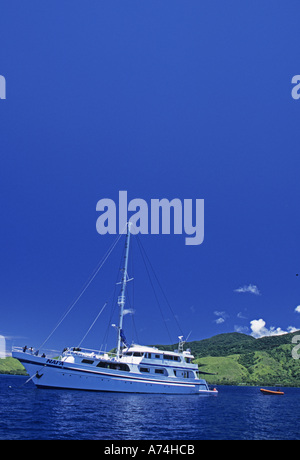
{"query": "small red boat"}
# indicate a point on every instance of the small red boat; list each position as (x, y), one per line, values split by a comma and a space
(271, 392)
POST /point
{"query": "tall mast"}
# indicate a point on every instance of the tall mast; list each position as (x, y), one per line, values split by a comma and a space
(121, 298)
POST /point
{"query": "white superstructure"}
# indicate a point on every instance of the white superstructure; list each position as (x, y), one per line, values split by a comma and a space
(139, 369)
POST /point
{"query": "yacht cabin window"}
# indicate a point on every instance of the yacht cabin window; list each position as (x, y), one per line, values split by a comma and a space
(160, 371)
(172, 357)
(144, 369)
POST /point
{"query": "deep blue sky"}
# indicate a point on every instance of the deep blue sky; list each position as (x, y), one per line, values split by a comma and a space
(164, 99)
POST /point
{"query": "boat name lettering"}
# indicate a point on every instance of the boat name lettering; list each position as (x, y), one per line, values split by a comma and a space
(53, 361)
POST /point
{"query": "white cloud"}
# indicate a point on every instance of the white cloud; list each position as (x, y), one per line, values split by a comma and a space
(258, 329)
(219, 320)
(297, 309)
(250, 288)
(219, 313)
(241, 316)
(128, 311)
(222, 315)
(241, 329)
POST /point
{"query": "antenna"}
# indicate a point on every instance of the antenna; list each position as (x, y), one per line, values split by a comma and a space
(182, 342)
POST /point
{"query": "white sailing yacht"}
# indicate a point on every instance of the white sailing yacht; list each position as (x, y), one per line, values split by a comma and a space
(132, 369)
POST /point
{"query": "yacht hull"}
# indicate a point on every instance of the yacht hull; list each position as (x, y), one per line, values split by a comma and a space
(52, 373)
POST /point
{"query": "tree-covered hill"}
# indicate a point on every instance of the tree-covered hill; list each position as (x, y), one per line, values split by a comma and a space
(237, 358)
(10, 365)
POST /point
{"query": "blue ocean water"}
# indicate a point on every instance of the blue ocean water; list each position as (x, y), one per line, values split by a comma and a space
(235, 413)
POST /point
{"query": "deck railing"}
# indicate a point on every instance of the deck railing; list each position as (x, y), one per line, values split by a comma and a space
(85, 352)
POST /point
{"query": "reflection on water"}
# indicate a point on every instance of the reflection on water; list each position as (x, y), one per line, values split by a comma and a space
(269, 416)
(236, 413)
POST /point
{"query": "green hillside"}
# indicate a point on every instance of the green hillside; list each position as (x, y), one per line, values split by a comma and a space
(10, 365)
(236, 359)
